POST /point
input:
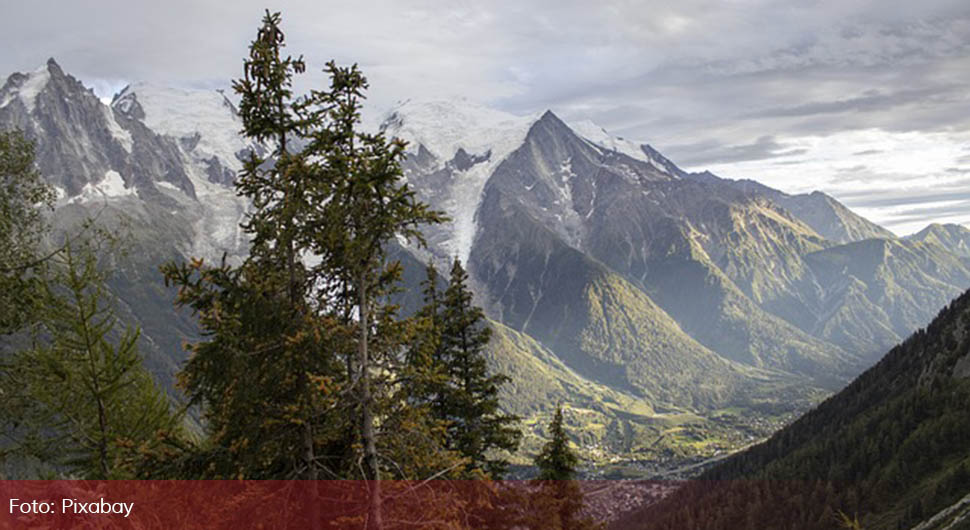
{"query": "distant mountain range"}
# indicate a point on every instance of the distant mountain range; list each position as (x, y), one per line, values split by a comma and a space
(677, 314)
(955, 238)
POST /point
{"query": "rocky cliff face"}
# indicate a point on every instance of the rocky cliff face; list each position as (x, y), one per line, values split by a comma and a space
(106, 162)
(84, 146)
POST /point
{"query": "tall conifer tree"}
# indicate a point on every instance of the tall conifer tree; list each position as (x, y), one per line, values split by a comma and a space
(477, 427)
(301, 363)
(428, 378)
(76, 398)
(79, 401)
(559, 503)
(557, 461)
(269, 373)
(365, 206)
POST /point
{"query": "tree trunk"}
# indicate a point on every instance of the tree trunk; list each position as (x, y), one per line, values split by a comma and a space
(308, 454)
(103, 440)
(371, 469)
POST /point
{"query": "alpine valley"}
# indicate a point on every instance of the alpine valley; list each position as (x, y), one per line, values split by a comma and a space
(678, 316)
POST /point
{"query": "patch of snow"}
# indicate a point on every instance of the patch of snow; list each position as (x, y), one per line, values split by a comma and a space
(206, 114)
(217, 229)
(660, 167)
(443, 127)
(35, 83)
(599, 137)
(566, 174)
(114, 186)
(570, 223)
(168, 185)
(123, 136)
(182, 113)
(465, 197)
(111, 186)
(28, 91)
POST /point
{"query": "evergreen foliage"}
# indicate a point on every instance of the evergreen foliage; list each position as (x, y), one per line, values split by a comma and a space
(889, 449)
(425, 372)
(557, 461)
(76, 397)
(477, 428)
(302, 372)
(458, 386)
(23, 197)
(80, 401)
(267, 375)
(559, 501)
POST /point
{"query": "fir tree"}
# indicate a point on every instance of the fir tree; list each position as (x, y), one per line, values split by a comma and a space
(557, 461)
(365, 206)
(470, 403)
(559, 502)
(427, 376)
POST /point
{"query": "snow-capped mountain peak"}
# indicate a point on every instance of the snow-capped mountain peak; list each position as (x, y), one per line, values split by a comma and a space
(27, 86)
(603, 139)
(445, 126)
(456, 146)
(467, 141)
(204, 121)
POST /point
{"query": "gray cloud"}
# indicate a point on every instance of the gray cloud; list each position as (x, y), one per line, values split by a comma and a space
(653, 70)
(706, 82)
(926, 213)
(853, 170)
(710, 151)
(872, 101)
(891, 197)
(865, 178)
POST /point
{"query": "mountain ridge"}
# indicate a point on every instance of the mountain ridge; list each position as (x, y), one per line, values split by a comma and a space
(616, 269)
(952, 237)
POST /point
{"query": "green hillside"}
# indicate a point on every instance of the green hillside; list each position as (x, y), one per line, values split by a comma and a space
(891, 449)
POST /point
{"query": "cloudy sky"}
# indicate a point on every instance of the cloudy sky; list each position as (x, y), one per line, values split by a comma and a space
(866, 100)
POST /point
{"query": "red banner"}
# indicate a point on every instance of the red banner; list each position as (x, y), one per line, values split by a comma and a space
(320, 504)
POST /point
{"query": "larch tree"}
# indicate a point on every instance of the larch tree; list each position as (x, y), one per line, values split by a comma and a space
(77, 399)
(89, 404)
